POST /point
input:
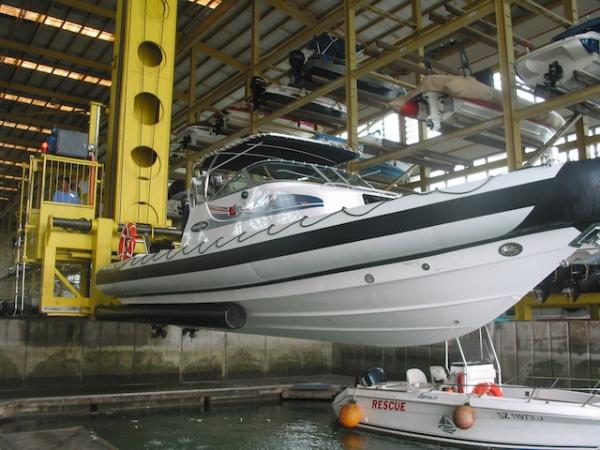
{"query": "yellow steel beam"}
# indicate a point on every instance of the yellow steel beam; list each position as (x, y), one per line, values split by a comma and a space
(567, 146)
(417, 17)
(223, 57)
(140, 111)
(539, 9)
(506, 55)
(88, 7)
(571, 11)
(67, 283)
(393, 17)
(581, 131)
(293, 11)
(54, 95)
(193, 64)
(562, 101)
(427, 36)
(581, 127)
(465, 172)
(351, 84)
(524, 309)
(59, 56)
(94, 125)
(254, 57)
(299, 15)
(185, 43)
(404, 152)
(103, 242)
(390, 79)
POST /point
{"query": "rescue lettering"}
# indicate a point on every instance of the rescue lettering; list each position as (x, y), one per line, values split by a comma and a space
(390, 405)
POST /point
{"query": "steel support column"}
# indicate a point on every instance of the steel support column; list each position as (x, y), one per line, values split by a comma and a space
(351, 86)
(506, 54)
(581, 126)
(189, 168)
(254, 57)
(94, 126)
(417, 18)
(140, 112)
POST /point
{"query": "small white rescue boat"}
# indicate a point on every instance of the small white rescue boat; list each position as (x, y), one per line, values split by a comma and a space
(462, 405)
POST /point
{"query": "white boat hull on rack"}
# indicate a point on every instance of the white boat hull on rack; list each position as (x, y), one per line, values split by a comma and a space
(577, 64)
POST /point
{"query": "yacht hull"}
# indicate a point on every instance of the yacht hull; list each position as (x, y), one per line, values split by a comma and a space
(396, 304)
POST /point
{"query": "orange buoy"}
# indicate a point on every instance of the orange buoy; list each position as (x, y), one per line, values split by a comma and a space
(464, 417)
(350, 415)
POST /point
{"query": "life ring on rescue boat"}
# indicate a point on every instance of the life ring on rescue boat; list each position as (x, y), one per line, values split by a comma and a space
(488, 389)
(127, 241)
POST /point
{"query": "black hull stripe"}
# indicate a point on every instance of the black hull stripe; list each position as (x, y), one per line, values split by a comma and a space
(463, 208)
(464, 441)
(173, 289)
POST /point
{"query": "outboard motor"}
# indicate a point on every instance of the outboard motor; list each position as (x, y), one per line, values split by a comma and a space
(258, 86)
(296, 60)
(373, 376)
(554, 74)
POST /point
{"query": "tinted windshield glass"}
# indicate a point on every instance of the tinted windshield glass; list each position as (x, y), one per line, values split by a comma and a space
(238, 182)
(284, 170)
(267, 171)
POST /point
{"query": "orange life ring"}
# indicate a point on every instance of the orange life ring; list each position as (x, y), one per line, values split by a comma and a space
(488, 389)
(127, 241)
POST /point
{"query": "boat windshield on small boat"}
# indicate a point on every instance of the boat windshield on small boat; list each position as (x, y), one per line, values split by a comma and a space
(283, 239)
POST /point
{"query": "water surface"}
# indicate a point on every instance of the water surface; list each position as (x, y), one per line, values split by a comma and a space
(289, 426)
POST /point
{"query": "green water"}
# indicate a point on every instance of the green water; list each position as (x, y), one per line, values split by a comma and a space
(289, 426)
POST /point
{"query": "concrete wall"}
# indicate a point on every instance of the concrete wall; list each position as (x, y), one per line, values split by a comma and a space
(57, 353)
(544, 349)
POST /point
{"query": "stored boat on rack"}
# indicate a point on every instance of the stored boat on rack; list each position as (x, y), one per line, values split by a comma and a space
(462, 405)
(308, 250)
(569, 63)
(453, 101)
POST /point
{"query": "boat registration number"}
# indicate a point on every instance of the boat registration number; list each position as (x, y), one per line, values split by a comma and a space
(390, 405)
(520, 416)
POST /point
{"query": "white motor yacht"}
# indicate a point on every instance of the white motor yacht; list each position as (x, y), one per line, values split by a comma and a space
(293, 245)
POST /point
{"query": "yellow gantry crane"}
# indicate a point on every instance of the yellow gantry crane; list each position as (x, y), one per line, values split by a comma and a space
(73, 210)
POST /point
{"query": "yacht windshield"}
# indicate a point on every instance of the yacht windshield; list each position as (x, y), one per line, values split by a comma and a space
(267, 171)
